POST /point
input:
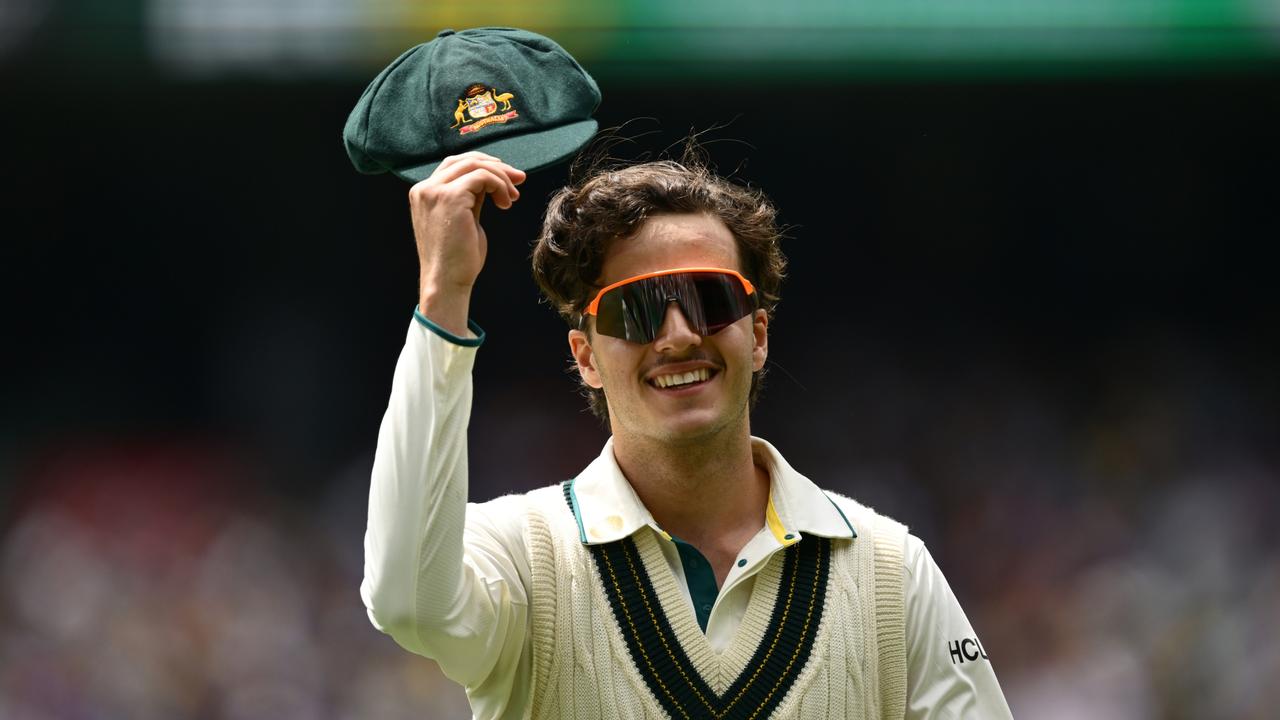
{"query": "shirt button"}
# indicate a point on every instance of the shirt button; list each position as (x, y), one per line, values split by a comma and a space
(706, 608)
(742, 562)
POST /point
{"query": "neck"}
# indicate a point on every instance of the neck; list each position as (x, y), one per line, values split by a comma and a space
(711, 495)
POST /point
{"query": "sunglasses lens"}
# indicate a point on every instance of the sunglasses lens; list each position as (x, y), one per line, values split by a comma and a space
(630, 313)
(710, 302)
(723, 301)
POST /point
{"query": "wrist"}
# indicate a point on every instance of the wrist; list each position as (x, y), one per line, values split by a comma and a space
(447, 307)
(438, 284)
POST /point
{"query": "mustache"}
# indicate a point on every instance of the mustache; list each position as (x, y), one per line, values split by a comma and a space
(695, 356)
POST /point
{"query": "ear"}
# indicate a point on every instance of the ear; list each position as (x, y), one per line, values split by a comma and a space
(580, 346)
(760, 328)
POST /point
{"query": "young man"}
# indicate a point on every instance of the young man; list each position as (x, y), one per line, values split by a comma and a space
(688, 571)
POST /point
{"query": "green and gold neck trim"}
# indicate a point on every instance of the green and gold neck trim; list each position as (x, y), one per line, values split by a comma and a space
(783, 651)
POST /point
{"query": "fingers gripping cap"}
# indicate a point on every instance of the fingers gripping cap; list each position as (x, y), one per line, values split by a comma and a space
(507, 92)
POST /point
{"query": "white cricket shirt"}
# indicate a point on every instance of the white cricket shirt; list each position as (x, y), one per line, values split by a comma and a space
(450, 580)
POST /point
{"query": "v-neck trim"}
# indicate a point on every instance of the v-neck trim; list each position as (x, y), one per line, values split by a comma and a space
(719, 669)
(768, 654)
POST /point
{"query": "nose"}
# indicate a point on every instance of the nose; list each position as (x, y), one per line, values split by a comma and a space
(675, 333)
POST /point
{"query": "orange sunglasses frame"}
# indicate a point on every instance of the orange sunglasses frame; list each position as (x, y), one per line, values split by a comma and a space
(595, 304)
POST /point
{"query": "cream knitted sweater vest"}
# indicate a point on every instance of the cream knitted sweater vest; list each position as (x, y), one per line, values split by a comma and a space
(613, 637)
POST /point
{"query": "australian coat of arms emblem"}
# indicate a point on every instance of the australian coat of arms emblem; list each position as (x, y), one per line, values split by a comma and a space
(479, 106)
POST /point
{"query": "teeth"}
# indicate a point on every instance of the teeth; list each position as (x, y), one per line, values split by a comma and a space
(665, 381)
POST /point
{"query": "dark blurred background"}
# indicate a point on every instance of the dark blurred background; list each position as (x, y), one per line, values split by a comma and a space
(1031, 312)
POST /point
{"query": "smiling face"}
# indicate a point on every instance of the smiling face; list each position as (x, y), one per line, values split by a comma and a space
(637, 378)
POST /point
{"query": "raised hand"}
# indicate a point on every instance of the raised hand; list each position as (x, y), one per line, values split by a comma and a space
(446, 225)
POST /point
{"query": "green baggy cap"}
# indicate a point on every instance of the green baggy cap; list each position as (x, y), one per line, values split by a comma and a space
(511, 93)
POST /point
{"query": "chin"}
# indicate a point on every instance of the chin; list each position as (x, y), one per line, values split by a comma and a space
(691, 426)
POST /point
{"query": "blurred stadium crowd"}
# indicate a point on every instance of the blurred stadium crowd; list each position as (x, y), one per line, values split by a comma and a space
(1055, 360)
(1118, 555)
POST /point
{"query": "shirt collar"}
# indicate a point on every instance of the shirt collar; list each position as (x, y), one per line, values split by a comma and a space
(608, 509)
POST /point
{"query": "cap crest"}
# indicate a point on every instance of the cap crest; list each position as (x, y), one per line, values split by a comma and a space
(511, 93)
(476, 108)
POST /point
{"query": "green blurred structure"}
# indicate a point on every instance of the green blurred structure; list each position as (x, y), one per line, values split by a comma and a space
(668, 40)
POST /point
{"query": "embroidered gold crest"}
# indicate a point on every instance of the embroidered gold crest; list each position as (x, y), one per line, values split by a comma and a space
(479, 107)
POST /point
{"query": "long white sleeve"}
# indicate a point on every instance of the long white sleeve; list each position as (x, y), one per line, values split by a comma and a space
(440, 585)
(949, 676)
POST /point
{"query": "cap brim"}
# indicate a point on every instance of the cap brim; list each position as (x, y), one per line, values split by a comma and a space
(528, 151)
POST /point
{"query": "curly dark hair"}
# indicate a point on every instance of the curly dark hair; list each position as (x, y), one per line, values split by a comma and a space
(612, 201)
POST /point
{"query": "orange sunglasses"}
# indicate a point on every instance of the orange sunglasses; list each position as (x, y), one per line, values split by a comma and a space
(710, 298)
